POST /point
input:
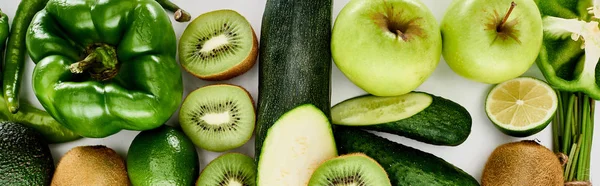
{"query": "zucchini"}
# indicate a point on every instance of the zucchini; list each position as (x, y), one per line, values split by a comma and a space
(404, 165)
(294, 60)
(295, 146)
(417, 115)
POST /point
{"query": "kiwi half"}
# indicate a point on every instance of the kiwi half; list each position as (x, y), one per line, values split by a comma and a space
(351, 169)
(227, 170)
(218, 45)
(218, 117)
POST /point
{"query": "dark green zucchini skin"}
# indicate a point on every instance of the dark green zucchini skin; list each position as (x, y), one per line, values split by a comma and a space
(294, 60)
(444, 122)
(405, 165)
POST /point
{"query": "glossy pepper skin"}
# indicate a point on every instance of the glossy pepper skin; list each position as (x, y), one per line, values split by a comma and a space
(4, 32)
(562, 60)
(132, 80)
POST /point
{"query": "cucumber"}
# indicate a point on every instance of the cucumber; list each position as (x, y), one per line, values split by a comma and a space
(416, 115)
(294, 60)
(295, 146)
(404, 165)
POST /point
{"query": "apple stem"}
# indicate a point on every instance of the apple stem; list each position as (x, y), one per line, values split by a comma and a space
(512, 6)
(401, 35)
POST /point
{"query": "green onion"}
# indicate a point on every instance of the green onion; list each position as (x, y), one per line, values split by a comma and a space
(572, 130)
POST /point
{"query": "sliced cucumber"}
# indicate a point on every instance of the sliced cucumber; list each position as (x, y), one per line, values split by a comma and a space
(373, 110)
(295, 146)
(416, 115)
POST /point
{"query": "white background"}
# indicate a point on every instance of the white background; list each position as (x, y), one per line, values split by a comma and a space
(470, 156)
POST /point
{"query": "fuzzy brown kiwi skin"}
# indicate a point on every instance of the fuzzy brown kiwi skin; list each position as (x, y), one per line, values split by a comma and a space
(65, 172)
(236, 70)
(247, 93)
(516, 162)
(201, 172)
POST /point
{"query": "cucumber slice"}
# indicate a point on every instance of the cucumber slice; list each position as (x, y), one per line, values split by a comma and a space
(416, 115)
(295, 146)
(373, 110)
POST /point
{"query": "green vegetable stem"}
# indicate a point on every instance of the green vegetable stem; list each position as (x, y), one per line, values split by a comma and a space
(572, 130)
(180, 14)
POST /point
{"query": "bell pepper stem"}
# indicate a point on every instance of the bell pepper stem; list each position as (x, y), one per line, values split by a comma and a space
(182, 16)
(81, 66)
(101, 63)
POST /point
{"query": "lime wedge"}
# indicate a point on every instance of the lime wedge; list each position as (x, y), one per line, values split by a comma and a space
(522, 106)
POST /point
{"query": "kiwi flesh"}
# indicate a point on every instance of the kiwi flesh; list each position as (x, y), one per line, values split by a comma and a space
(218, 45)
(231, 169)
(218, 117)
(523, 163)
(91, 165)
(351, 169)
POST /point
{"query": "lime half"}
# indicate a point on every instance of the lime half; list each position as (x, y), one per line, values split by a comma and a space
(522, 106)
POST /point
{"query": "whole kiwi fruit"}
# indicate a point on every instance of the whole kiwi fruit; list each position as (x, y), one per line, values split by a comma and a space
(91, 165)
(525, 163)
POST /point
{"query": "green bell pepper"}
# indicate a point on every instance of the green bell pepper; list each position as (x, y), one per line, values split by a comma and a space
(105, 65)
(571, 48)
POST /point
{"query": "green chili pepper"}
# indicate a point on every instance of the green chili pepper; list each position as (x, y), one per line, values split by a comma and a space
(104, 66)
(39, 120)
(15, 51)
(4, 31)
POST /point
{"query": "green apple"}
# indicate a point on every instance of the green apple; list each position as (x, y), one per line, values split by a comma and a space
(491, 41)
(386, 47)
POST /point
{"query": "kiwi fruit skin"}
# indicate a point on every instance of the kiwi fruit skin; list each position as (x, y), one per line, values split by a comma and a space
(525, 163)
(218, 143)
(238, 69)
(91, 165)
(378, 175)
(237, 165)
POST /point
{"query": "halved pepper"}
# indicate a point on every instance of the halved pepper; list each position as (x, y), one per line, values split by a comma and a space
(105, 65)
(571, 50)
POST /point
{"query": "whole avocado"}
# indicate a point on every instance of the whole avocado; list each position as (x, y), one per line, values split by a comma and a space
(25, 158)
(162, 156)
